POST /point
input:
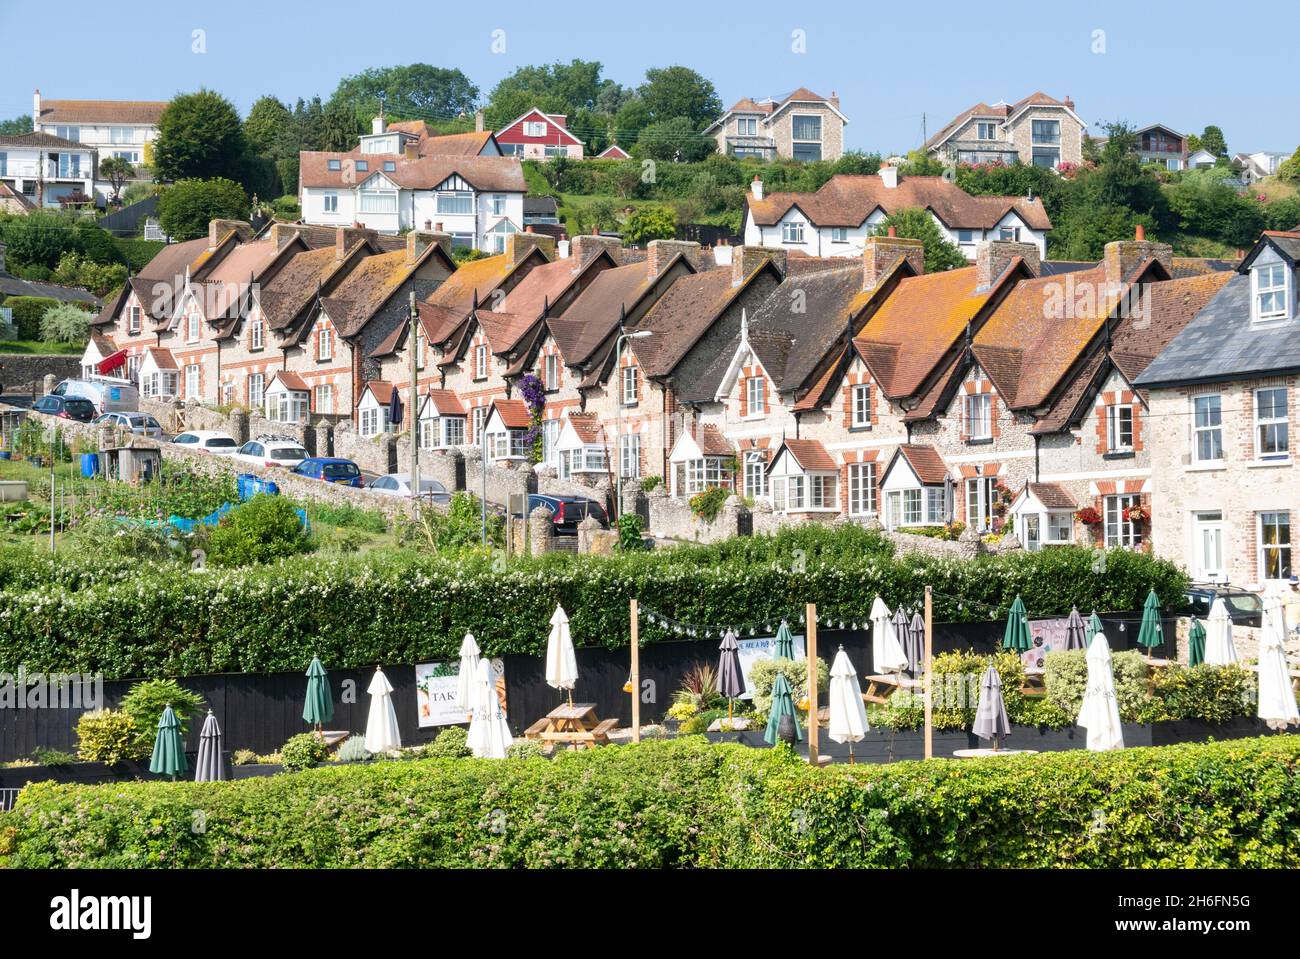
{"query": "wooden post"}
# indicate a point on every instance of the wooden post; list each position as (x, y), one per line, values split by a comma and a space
(636, 673)
(810, 643)
(929, 686)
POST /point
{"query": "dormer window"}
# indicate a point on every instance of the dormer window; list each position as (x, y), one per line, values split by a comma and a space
(1272, 289)
(334, 164)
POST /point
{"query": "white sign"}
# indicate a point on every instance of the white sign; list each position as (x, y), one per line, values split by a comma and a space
(764, 647)
(435, 692)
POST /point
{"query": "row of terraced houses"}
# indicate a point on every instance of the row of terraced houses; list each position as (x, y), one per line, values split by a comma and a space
(1141, 400)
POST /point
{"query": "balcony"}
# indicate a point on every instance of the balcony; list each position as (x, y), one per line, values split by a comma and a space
(978, 152)
(736, 142)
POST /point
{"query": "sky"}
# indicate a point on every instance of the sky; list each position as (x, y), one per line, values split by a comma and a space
(1185, 64)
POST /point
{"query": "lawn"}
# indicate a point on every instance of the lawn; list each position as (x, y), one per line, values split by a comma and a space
(41, 348)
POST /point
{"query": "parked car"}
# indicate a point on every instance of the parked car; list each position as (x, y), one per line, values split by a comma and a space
(399, 484)
(213, 441)
(330, 469)
(568, 511)
(66, 407)
(1244, 607)
(108, 395)
(141, 424)
(271, 451)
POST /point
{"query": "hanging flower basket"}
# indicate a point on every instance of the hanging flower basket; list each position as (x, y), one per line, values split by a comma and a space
(1137, 513)
(1088, 516)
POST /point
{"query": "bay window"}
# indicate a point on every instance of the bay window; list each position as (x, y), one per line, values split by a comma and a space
(706, 473)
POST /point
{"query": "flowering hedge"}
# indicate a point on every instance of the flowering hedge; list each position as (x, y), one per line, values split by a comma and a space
(686, 803)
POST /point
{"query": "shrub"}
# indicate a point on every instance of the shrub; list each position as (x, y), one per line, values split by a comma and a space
(243, 757)
(651, 483)
(145, 702)
(107, 736)
(303, 751)
(1067, 680)
(65, 324)
(352, 750)
(348, 515)
(629, 532)
(708, 505)
(28, 313)
(700, 722)
(525, 749)
(1213, 694)
(763, 674)
(451, 743)
(260, 530)
(52, 757)
(186, 207)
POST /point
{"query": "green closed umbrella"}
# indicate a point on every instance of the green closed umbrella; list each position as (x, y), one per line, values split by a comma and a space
(1094, 626)
(784, 642)
(782, 705)
(1017, 635)
(1152, 634)
(1196, 643)
(168, 750)
(320, 704)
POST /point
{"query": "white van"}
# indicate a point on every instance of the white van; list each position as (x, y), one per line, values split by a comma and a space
(109, 394)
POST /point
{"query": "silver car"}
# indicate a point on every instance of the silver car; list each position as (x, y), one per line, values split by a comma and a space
(141, 424)
(399, 484)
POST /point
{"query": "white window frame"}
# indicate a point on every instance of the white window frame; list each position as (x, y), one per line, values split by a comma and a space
(192, 326)
(551, 372)
(325, 344)
(747, 126)
(534, 128)
(1271, 425)
(481, 361)
(984, 127)
(329, 203)
(449, 202)
(706, 473)
(936, 506)
(133, 319)
(1117, 531)
(193, 381)
(1285, 564)
(1207, 524)
(257, 334)
(451, 431)
(368, 421)
(862, 489)
(1058, 521)
(792, 231)
(1273, 291)
(379, 202)
(498, 204)
(324, 397)
(984, 422)
(979, 502)
(756, 473)
(256, 390)
(629, 455)
(1115, 428)
(628, 388)
(755, 397)
(1211, 431)
(861, 406)
(478, 422)
(839, 234)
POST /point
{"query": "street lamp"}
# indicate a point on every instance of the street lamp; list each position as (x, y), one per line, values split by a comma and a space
(618, 430)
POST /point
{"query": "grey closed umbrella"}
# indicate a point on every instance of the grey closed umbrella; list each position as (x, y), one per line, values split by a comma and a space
(209, 767)
(903, 630)
(1076, 630)
(731, 681)
(991, 720)
(916, 644)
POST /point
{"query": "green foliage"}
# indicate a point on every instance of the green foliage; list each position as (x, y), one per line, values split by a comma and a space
(1289, 170)
(675, 139)
(185, 208)
(1211, 139)
(65, 324)
(414, 90)
(137, 253)
(200, 137)
(762, 674)
(649, 483)
(451, 743)
(28, 313)
(107, 736)
(303, 751)
(566, 88)
(1067, 680)
(37, 239)
(459, 528)
(525, 749)
(16, 126)
(348, 515)
(145, 702)
(44, 756)
(1207, 207)
(116, 170)
(690, 804)
(920, 163)
(917, 224)
(708, 504)
(679, 92)
(264, 122)
(352, 750)
(650, 223)
(259, 530)
(99, 278)
(243, 757)
(629, 532)
(957, 678)
(1212, 694)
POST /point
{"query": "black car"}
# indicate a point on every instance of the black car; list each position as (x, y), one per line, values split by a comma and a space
(66, 407)
(568, 511)
(1244, 608)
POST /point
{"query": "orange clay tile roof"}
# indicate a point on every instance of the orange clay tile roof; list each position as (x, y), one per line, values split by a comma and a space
(104, 344)
(291, 380)
(294, 285)
(1051, 495)
(455, 144)
(594, 315)
(809, 454)
(926, 463)
(382, 390)
(477, 277)
(163, 359)
(712, 442)
(846, 200)
(514, 414)
(125, 112)
(367, 288)
(912, 330)
(500, 174)
(587, 428)
(446, 402)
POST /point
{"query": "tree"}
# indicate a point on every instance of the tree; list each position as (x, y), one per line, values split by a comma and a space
(1290, 168)
(554, 88)
(16, 126)
(65, 323)
(920, 163)
(917, 224)
(266, 120)
(676, 91)
(116, 170)
(1208, 207)
(200, 136)
(38, 239)
(673, 140)
(650, 223)
(185, 208)
(1211, 139)
(340, 127)
(416, 91)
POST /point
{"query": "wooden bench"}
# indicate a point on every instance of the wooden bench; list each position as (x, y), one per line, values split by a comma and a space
(535, 730)
(1035, 683)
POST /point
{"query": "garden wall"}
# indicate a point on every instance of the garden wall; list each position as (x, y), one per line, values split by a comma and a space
(25, 372)
(670, 518)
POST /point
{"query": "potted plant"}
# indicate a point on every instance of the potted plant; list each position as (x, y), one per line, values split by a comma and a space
(1136, 514)
(1088, 516)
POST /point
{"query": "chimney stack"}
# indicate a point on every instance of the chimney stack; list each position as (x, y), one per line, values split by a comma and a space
(417, 241)
(662, 252)
(746, 259)
(519, 245)
(881, 253)
(346, 237)
(992, 257)
(36, 110)
(282, 233)
(1122, 257)
(587, 247)
(756, 188)
(378, 125)
(722, 254)
(478, 121)
(217, 230)
(562, 247)
(889, 177)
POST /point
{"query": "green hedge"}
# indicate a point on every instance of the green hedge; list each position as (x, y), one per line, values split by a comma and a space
(400, 607)
(686, 803)
(137, 253)
(28, 311)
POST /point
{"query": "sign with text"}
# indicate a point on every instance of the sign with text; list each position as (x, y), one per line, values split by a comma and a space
(764, 647)
(435, 691)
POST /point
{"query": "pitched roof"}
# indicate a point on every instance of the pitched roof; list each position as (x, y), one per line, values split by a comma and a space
(1173, 305)
(369, 286)
(157, 284)
(454, 144)
(104, 344)
(38, 140)
(124, 112)
(846, 200)
(446, 402)
(499, 174)
(587, 428)
(926, 463)
(772, 105)
(163, 358)
(382, 390)
(809, 454)
(999, 111)
(1051, 495)
(9, 193)
(290, 379)
(523, 306)
(293, 287)
(711, 441)
(594, 314)
(514, 414)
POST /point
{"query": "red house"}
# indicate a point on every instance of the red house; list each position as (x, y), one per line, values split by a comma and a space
(539, 136)
(613, 152)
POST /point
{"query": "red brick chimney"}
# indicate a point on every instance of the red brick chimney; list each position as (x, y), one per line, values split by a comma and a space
(881, 253)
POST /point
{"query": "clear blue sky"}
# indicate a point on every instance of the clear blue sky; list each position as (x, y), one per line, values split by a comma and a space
(889, 60)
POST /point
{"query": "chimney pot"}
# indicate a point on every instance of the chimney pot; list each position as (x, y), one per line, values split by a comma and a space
(992, 257)
(428, 224)
(881, 253)
(892, 231)
(1140, 233)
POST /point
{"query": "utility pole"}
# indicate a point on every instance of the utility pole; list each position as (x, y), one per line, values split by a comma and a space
(412, 343)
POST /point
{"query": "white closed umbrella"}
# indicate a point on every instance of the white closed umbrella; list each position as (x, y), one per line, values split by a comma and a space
(1277, 706)
(467, 678)
(489, 733)
(886, 651)
(381, 725)
(561, 664)
(848, 711)
(1220, 650)
(1100, 711)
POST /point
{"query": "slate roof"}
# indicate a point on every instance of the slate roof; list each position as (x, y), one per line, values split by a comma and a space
(847, 200)
(293, 287)
(166, 271)
(16, 286)
(368, 286)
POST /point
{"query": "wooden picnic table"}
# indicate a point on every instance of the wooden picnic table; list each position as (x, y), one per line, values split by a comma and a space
(1035, 683)
(881, 686)
(573, 726)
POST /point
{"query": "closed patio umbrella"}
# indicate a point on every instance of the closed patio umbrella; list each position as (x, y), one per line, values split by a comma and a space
(784, 642)
(1094, 626)
(1195, 643)
(395, 408)
(731, 680)
(916, 645)
(991, 720)
(1099, 713)
(1220, 649)
(848, 712)
(886, 651)
(903, 631)
(382, 735)
(168, 750)
(467, 677)
(561, 661)
(1016, 636)
(209, 766)
(782, 705)
(1151, 634)
(1076, 631)
(319, 708)
(1277, 705)
(489, 733)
